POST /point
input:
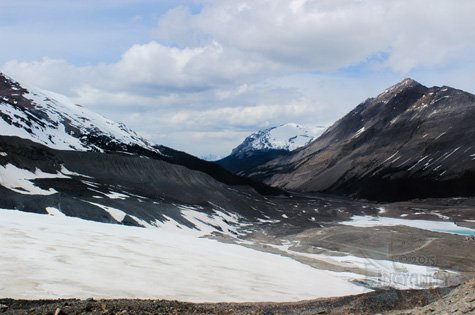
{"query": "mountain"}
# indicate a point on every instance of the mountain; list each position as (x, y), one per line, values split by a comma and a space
(410, 141)
(60, 158)
(267, 144)
(210, 157)
(53, 120)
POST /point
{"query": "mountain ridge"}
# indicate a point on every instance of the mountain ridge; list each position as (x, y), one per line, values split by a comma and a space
(376, 150)
(53, 120)
(59, 158)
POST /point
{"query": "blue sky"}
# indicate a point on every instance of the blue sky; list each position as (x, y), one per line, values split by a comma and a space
(201, 75)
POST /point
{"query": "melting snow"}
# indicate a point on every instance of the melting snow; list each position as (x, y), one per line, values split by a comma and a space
(359, 132)
(19, 180)
(117, 214)
(61, 257)
(53, 211)
(436, 226)
(116, 195)
(381, 210)
(380, 273)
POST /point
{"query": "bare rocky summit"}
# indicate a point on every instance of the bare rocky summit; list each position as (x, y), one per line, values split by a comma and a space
(409, 142)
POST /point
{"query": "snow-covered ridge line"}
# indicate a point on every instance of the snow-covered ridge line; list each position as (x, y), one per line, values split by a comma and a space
(287, 137)
(55, 121)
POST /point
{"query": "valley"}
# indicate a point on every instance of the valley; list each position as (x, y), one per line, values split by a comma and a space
(89, 209)
(237, 157)
(397, 250)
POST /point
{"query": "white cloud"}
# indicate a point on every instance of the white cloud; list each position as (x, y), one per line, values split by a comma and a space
(321, 35)
(240, 65)
(244, 116)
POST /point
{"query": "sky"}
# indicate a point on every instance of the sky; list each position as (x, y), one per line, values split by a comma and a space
(201, 75)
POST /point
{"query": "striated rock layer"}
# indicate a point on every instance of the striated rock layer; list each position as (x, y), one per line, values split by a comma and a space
(410, 141)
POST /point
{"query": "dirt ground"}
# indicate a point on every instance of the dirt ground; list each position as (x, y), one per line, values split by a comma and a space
(369, 303)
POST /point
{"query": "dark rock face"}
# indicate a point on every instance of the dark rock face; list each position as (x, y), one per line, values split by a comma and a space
(38, 116)
(80, 164)
(241, 164)
(88, 184)
(409, 142)
(216, 171)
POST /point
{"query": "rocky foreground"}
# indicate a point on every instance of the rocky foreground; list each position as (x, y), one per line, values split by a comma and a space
(456, 300)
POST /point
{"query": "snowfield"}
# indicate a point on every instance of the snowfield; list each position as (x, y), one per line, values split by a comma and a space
(45, 256)
(435, 226)
(382, 273)
(19, 180)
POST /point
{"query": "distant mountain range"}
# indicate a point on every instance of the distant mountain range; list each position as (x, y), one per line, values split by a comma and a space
(267, 144)
(409, 142)
(57, 158)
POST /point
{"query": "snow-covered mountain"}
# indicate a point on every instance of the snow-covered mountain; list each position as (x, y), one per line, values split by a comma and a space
(53, 120)
(266, 144)
(62, 159)
(286, 137)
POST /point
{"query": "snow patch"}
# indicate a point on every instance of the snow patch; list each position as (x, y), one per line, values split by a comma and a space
(19, 180)
(380, 273)
(54, 211)
(359, 132)
(117, 214)
(435, 226)
(116, 195)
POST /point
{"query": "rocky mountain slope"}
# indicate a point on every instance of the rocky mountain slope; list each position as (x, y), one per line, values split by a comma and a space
(410, 141)
(60, 158)
(267, 144)
(53, 120)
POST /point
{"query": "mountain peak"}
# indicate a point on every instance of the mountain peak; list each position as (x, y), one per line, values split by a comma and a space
(404, 85)
(268, 143)
(408, 81)
(410, 142)
(55, 121)
(289, 137)
(7, 83)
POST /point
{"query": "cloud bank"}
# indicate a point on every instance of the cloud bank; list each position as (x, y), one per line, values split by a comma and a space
(206, 78)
